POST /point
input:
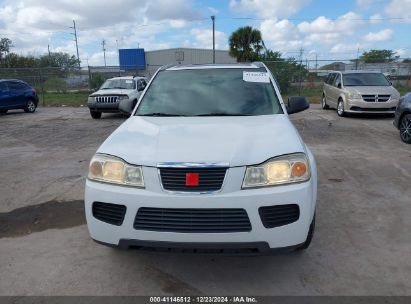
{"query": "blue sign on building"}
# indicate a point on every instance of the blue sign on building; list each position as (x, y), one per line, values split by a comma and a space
(132, 59)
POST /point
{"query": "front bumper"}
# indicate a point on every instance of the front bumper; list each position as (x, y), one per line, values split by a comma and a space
(103, 107)
(361, 106)
(303, 194)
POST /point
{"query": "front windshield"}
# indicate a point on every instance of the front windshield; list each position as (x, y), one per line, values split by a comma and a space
(126, 84)
(208, 92)
(365, 79)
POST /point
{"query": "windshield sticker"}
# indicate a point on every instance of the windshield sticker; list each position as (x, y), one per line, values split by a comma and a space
(256, 77)
(129, 81)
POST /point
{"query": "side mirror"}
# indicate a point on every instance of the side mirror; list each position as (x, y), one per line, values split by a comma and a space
(297, 104)
(339, 85)
(125, 106)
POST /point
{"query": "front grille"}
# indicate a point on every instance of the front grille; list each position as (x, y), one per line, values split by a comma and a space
(276, 216)
(109, 213)
(192, 220)
(106, 99)
(376, 98)
(210, 179)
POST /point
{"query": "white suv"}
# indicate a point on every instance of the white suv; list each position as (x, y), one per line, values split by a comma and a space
(208, 161)
(112, 92)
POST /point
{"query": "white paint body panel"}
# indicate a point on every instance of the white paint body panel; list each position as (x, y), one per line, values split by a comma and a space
(236, 141)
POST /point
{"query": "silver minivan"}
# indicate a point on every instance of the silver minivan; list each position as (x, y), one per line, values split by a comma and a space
(359, 92)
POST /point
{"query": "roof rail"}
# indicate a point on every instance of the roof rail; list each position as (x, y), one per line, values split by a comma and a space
(258, 63)
(166, 66)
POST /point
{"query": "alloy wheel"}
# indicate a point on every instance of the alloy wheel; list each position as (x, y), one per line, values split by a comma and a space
(405, 129)
(31, 107)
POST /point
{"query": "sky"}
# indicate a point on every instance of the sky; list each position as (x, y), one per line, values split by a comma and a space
(322, 29)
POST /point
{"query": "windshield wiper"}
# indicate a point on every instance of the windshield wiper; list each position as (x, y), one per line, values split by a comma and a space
(160, 114)
(223, 114)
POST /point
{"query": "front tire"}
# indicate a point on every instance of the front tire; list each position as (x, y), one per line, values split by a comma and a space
(310, 236)
(30, 106)
(340, 108)
(324, 104)
(95, 114)
(405, 128)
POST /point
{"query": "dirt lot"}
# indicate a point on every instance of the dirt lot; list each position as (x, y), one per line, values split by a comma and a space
(362, 243)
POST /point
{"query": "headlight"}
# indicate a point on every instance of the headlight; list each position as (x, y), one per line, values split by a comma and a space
(292, 168)
(354, 95)
(121, 97)
(90, 99)
(113, 170)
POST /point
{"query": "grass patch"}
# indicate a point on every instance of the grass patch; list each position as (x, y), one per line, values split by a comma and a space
(69, 99)
(313, 94)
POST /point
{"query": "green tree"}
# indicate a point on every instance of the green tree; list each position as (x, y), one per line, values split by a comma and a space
(5, 45)
(285, 70)
(375, 56)
(58, 60)
(245, 44)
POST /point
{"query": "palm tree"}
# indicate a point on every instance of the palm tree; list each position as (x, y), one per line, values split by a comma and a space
(246, 44)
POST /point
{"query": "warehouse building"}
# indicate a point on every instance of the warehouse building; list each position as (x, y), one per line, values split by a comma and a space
(158, 58)
(148, 62)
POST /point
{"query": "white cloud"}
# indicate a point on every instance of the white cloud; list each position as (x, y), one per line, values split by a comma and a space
(399, 9)
(327, 31)
(203, 38)
(33, 24)
(380, 36)
(269, 8)
(280, 35)
(345, 48)
(375, 19)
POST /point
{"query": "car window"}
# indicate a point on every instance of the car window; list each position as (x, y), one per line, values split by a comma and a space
(126, 84)
(17, 86)
(365, 79)
(3, 86)
(337, 80)
(331, 78)
(143, 81)
(209, 92)
(140, 85)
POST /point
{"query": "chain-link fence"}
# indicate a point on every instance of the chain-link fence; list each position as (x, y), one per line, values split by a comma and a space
(52, 84)
(57, 86)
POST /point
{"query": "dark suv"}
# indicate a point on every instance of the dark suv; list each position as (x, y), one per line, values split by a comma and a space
(16, 94)
(402, 119)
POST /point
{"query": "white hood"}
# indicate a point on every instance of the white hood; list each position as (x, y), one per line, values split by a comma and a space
(238, 141)
(112, 92)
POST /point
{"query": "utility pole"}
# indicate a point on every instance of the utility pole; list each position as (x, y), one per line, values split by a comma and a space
(104, 51)
(356, 61)
(213, 19)
(75, 39)
(48, 48)
(301, 67)
(316, 64)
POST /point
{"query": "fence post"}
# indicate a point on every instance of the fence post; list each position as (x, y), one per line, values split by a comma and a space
(89, 79)
(42, 87)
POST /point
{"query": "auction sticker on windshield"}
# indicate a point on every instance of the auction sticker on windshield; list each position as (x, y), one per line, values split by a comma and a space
(256, 77)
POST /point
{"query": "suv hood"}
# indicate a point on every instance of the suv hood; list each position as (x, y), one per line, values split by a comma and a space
(237, 141)
(373, 90)
(111, 92)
